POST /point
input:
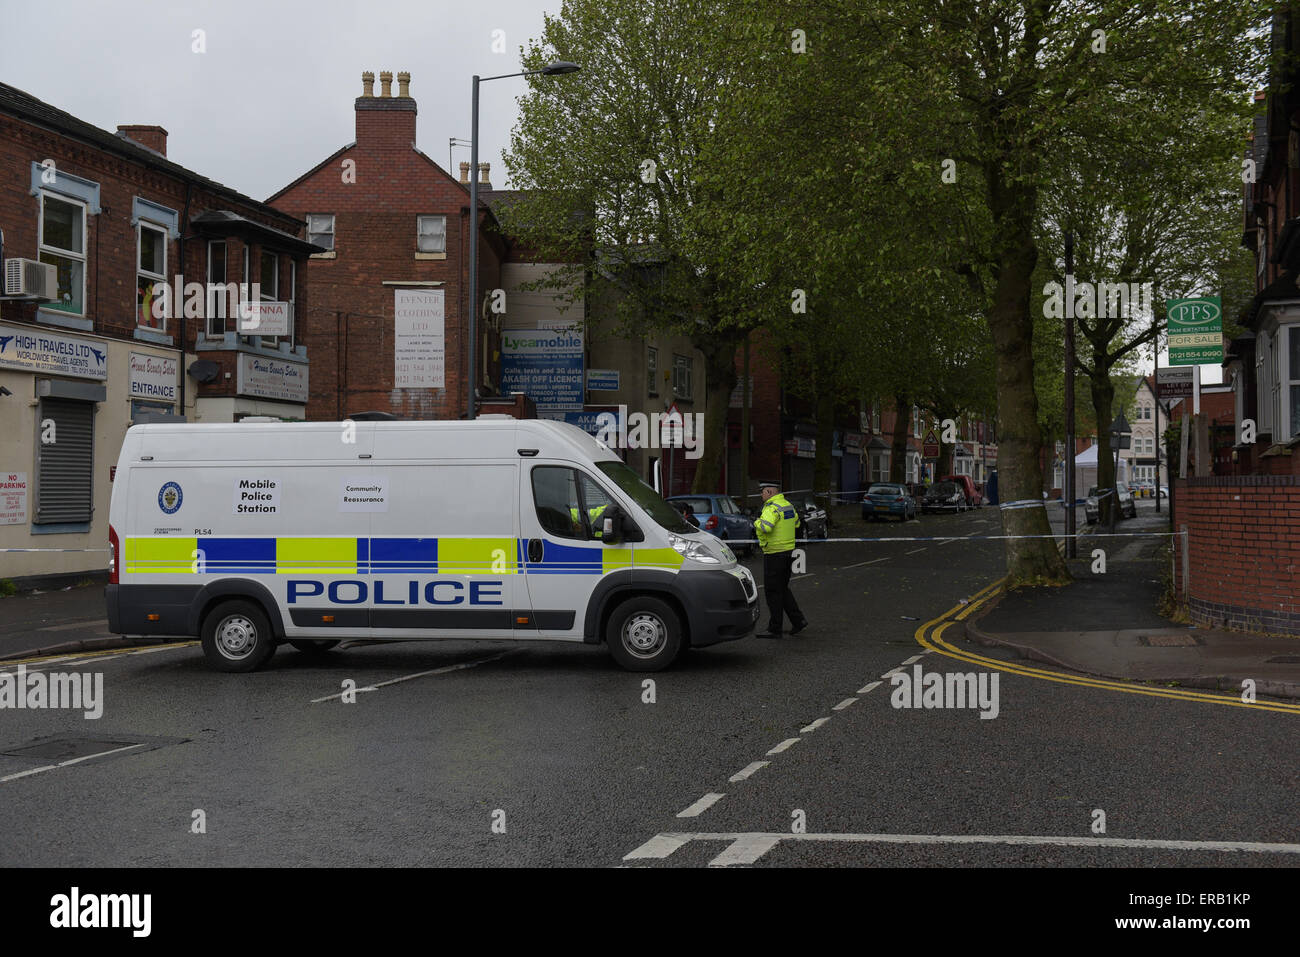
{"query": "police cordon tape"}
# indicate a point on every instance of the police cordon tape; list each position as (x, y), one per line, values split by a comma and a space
(965, 538)
(54, 550)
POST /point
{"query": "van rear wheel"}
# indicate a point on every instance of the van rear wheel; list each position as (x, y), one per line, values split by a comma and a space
(237, 637)
(644, 634)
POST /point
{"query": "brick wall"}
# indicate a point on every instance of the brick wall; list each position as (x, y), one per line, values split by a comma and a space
(1243, 547)
(351, 314)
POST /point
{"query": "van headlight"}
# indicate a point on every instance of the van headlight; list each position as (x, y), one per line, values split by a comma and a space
(695, 551)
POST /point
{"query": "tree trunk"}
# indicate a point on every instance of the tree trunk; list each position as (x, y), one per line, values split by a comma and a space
(898, 454)
(1020, 484)
(719, 381)
(1103, 397)
(825, 439)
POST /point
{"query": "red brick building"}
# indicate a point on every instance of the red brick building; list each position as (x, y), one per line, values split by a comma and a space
(92, 223)
(389, 294)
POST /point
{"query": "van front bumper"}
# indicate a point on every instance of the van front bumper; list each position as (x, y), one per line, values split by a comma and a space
(719, 606)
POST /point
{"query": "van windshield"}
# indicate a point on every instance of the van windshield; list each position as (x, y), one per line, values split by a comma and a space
(646, 497)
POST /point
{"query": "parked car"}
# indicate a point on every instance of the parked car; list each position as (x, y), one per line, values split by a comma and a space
(720, 516)
(944, 497)
(888, 500)
(1092, 506)
(917, 489)
(811, 514)
(974, 498)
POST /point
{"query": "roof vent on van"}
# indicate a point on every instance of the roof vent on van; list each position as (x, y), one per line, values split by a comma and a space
(259, 418)
(494, 415)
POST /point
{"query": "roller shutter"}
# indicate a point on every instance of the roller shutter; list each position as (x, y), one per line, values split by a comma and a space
(65, 467)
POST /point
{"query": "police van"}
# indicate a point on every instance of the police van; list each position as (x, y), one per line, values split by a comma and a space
(251, 535)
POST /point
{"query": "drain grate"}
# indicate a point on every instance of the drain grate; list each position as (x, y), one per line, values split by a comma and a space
(1170, 641)
(65, 749)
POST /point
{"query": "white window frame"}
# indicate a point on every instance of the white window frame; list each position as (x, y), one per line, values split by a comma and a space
(1291, 380)
(142, 273)
(210, 303)
(65, 253)
(275, 289)
(878, 466)
(321, 232)
(420, 233)
(683, 373)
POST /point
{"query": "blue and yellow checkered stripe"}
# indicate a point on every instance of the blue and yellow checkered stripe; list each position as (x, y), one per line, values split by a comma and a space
(361, 556)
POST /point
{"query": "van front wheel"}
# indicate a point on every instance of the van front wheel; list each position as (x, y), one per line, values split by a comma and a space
(644, 634)
(237, 637)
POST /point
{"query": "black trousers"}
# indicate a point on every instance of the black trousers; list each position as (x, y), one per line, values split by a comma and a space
(776, 586)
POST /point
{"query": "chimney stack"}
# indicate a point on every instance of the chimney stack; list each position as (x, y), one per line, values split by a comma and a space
(150, 137)
(464, 172)
(483, 175)
(385, 121)
(404, 85)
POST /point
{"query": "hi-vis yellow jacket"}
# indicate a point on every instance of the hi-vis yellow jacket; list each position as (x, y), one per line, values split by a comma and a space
(776, 524)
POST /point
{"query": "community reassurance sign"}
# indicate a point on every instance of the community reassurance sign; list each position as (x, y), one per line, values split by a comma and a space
(1195, 331)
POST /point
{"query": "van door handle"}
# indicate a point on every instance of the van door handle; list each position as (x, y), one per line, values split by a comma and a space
(534, 550)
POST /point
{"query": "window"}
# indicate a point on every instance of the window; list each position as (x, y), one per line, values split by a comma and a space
(875, 417)
(63, 246)
(64, 469)
(879, 471)
(270, 287)
(1293, 375)
(568, 503)
(431, 234)
(652, 369)
(320, 229)
(216, 298)
(682, 376)
(151, 246)
(916, 422)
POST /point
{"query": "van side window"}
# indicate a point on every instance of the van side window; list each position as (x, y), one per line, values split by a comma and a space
(555, 496)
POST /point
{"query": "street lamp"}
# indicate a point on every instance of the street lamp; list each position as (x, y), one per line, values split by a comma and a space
(551, 69)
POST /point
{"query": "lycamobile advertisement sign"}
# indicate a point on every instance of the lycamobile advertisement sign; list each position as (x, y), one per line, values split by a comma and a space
(546, 363)
(1195, 331)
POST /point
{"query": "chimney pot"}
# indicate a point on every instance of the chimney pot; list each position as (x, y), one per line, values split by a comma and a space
(464, 171)
(368, 83)
(151, 137)
(483, 174)
(386, 83)
(404, 84)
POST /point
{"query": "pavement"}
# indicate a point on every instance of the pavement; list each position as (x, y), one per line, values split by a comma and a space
(1107, 624)
(57, 620)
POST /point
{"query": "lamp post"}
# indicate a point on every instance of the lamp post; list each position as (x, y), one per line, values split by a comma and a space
(551, 69)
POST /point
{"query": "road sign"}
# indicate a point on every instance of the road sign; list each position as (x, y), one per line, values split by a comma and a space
(1195, 331)
(603, 380)
(930, 447)
(1174, 383)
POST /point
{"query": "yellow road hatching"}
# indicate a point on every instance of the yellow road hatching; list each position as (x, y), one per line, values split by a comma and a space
(930, 636)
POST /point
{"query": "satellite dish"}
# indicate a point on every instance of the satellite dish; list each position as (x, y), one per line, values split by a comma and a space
(204, 370)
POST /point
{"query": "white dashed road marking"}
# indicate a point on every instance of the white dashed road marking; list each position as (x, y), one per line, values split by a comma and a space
(814, 726)
(844, 704)
(866, 688)
(702, 805)
(747, 848)
(421, 674)
(749, 769)
(783, 745)
(64, 764)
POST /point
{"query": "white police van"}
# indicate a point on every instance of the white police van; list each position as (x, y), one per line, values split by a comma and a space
(249, 535)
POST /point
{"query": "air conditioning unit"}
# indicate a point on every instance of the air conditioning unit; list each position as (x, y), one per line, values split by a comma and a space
(27, 277)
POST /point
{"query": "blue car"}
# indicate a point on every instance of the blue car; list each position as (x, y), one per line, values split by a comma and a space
(887, 500)
(721, 516)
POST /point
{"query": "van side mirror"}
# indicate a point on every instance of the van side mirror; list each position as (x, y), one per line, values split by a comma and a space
(611, 525)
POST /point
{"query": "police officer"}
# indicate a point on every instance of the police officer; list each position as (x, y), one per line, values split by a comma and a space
(775, 530)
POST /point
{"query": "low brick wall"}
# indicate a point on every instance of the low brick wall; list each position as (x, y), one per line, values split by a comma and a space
(1243, 551)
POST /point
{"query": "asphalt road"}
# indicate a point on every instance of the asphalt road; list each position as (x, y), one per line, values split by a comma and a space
(560, 749)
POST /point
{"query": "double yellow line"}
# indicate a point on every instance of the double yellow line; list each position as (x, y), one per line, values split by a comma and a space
(930, 635)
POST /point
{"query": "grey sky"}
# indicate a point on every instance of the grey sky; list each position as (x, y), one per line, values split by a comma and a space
(273, 94)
